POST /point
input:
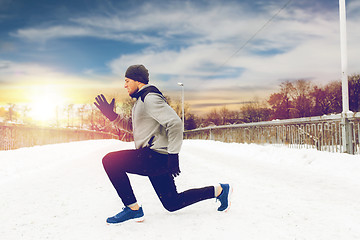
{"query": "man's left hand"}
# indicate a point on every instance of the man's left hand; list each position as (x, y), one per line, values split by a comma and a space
(106, 108)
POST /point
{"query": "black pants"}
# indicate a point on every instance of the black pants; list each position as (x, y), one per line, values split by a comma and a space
(149, 163)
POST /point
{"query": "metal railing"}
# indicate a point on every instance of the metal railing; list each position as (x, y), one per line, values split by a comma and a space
(13, 136)
(324, 133)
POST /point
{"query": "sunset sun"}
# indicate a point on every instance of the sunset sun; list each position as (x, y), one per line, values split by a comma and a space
(44, 103)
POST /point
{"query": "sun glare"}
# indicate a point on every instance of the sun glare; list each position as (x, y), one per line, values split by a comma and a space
(45, 101)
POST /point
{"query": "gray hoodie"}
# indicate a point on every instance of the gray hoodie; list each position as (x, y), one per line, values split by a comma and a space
(154, 118)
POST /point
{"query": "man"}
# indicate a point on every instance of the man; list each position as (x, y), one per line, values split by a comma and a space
(158, 136)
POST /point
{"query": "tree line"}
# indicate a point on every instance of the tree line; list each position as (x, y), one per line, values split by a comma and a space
(294, 99)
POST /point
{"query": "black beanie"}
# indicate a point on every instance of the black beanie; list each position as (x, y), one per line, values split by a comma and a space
(138, 73)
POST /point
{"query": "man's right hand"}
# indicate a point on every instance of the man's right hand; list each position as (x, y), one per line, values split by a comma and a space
(173, 165)
(106, 108)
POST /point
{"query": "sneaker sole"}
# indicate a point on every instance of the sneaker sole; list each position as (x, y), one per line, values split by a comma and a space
(138, 220)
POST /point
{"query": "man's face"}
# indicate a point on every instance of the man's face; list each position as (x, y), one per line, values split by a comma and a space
(131, 86)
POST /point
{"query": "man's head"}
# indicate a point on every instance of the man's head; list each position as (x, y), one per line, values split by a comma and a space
(136, 76)
(138, 73)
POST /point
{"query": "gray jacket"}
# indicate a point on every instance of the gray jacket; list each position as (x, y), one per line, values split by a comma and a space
(153, 117)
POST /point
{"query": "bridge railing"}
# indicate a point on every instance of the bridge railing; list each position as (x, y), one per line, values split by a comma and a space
(324, 133)
(13, 136)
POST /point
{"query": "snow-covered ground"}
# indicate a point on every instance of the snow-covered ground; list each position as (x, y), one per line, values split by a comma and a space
(62, 192)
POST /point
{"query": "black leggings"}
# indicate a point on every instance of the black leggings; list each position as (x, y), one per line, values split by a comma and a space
(149, 163)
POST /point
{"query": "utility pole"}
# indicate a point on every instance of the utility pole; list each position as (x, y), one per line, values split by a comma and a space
(346, 126)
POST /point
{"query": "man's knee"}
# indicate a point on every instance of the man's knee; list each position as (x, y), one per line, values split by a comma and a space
(170, 207)
(107, 159)
(120, 160)
(171, 204)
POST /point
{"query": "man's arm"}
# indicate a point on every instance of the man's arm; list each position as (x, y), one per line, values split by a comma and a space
(123, 123)
(107, 109)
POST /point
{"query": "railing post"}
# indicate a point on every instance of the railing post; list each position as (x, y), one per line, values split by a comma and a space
(347, 134)
(211, 135)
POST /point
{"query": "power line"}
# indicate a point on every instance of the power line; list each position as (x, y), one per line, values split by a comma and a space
(255, 34)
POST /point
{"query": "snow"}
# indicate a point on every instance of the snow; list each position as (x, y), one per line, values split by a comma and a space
(61, 191)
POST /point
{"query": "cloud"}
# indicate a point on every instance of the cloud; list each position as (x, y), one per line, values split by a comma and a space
(44, 34)
(353, 8)
(52, 32)
(156, 24)
(32, 74)
(195, 43)
(296, 45)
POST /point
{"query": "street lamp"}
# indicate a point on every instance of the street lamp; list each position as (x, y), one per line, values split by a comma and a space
(346, 126)
(182, 103)
(343, 48)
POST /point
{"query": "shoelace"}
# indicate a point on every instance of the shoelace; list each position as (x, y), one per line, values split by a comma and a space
(124, 210)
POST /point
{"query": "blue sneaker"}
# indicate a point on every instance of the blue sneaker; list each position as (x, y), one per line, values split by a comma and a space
(224, 197)
(127, 214)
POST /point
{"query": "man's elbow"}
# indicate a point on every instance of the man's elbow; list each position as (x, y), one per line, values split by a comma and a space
(178, 124)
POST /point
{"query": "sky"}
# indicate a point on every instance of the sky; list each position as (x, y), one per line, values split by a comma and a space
(224, 52)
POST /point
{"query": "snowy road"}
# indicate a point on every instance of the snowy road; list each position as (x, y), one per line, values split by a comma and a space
(62, 192)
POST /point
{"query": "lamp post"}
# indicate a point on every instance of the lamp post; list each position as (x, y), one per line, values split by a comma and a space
(346, 127)
(182, 104)
(343, 46)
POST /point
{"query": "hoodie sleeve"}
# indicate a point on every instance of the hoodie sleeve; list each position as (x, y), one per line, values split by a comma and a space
(123, 123)
(159, 110)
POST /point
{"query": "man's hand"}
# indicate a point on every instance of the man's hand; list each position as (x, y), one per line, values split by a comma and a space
(173, 164)
(106, 108)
